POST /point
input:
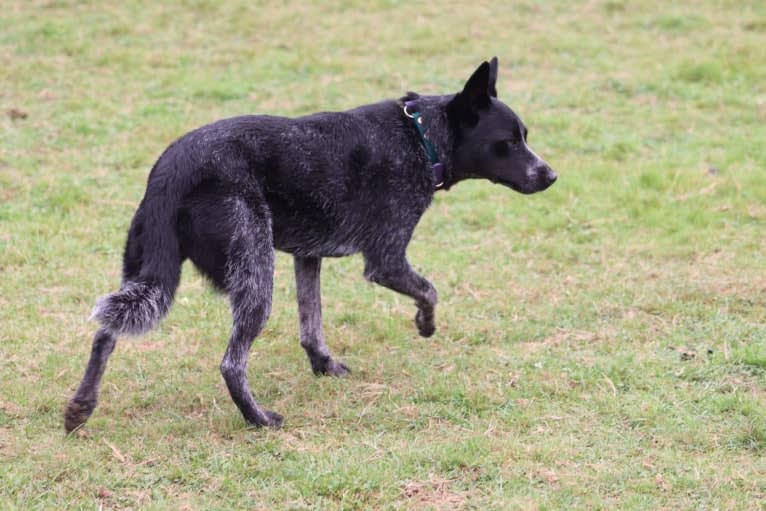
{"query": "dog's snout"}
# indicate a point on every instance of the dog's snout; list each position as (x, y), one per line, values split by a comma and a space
(545, 177)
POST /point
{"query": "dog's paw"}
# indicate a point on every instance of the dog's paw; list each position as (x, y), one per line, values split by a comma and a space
(425, 323)
(76, 414)
(266, 419)
(275, 420)
(330, 367)
(335, 368)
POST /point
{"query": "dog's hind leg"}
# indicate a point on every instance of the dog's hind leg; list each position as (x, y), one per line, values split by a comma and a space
(249, 282)
(81, 405)
(397, 275)
(310, 312)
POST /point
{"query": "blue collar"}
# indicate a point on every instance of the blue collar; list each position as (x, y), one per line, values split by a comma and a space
(412, 111)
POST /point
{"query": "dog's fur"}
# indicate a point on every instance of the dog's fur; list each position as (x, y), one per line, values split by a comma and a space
(325, 185)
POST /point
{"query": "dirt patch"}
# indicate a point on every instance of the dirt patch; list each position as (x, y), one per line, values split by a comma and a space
(16, 114)
(435, 493)
(570, 337)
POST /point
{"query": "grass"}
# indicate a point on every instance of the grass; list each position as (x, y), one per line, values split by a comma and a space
(600, 346)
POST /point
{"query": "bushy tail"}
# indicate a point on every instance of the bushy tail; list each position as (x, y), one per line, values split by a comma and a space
(133, 310)
(152, 261)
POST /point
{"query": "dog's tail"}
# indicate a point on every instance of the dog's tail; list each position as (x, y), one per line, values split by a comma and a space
(152, 259)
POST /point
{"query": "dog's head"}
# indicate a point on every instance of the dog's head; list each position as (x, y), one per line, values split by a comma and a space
(491, 140)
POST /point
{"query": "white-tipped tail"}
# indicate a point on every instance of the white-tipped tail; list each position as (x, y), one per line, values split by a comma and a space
(133, 310)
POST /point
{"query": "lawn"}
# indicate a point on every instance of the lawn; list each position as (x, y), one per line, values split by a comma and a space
(601, 345)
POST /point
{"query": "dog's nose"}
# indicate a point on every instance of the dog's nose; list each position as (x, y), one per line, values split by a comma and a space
(545, 178)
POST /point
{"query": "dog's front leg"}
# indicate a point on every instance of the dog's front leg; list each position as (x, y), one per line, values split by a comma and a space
(400, 277)
(310, 312)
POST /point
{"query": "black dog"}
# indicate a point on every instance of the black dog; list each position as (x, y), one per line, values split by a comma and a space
(325, 185)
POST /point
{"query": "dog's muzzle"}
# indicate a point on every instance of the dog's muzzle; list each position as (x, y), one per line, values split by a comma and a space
(545, 177)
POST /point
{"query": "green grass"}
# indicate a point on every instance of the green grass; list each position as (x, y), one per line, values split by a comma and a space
(600, 346)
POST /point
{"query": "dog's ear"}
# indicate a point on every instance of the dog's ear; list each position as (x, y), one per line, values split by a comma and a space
(476, 90)
(493, 77)
(464, 107)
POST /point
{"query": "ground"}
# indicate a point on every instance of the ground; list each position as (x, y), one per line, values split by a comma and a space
(601, 345)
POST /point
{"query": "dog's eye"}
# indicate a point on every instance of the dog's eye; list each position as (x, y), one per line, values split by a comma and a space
(502, 147)
(526, 132)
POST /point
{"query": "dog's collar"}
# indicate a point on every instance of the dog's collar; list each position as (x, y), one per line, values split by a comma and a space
(412, 111)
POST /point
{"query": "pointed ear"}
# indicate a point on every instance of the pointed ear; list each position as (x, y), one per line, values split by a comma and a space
(493, 77)
(476, 90)
(464, 107)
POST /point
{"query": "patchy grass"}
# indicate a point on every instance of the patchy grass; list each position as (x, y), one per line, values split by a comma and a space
(599, 346)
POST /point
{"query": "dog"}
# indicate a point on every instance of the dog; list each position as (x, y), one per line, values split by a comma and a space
(330, 184)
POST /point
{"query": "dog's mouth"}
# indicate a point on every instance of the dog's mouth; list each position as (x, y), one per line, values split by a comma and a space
(543, 179)
(514, 186)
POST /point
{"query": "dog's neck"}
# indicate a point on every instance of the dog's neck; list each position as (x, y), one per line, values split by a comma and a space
(435, 127)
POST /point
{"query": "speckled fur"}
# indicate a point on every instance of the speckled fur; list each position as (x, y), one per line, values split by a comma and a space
(326, 185)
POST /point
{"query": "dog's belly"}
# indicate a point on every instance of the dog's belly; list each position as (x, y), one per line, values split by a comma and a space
(306, 227)
(327, 249)
(336, 250)
(315, 241)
